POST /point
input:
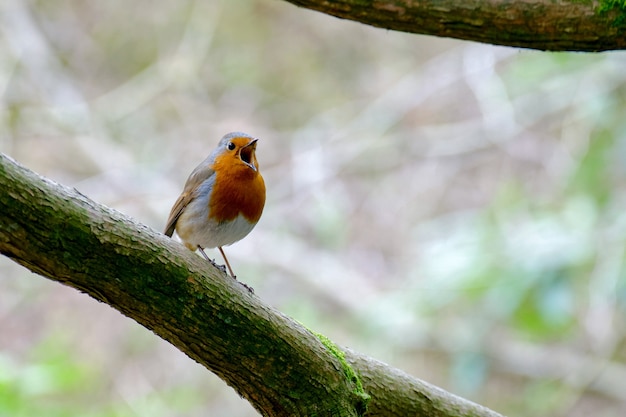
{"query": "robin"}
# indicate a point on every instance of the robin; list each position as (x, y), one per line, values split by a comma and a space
(223, 197)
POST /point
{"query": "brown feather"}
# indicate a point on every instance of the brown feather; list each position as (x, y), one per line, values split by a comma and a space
(197, 177)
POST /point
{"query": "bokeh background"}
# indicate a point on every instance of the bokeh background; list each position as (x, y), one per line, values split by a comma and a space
(453, 209)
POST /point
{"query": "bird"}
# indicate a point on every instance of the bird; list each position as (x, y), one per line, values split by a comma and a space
(222, 199)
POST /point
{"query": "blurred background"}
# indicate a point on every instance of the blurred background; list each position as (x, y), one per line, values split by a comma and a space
(453, 209)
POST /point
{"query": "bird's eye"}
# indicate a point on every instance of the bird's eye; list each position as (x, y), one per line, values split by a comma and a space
(231, 146)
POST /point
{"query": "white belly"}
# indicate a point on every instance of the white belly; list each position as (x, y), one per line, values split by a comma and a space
(201, 231)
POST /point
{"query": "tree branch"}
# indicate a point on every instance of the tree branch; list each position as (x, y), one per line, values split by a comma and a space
(574, 25)
(279, 366)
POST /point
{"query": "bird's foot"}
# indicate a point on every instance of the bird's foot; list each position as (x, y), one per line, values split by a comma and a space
(243, 284)
(221, 268)
(246, 286)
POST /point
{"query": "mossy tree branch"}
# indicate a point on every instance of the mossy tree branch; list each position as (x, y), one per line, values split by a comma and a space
(562, 25)
(279, 366)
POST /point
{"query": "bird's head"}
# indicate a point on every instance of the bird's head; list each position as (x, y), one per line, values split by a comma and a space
(237, 150)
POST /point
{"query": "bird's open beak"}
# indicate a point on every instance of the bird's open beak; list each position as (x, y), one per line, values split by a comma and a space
(246, 154)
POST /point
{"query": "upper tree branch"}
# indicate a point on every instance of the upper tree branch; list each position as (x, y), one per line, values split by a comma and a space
(271, 360)
(574, 25)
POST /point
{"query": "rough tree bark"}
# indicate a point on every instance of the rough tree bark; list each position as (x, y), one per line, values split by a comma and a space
(562, 25)
(279, 366)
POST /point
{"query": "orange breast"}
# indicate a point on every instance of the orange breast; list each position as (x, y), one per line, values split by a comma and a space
(237, 190)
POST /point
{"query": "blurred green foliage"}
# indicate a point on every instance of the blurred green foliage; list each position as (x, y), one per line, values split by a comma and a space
(45, 384)
(50, 382)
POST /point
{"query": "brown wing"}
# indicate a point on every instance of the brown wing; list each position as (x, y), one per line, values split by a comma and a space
(197, 177)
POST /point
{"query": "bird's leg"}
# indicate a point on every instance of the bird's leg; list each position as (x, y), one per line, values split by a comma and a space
(201, 249)
(227, 264)
(222, 267)
(246, 286)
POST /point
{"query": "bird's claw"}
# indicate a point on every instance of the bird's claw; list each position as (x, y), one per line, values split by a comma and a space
(223, 269)
(246, 286)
